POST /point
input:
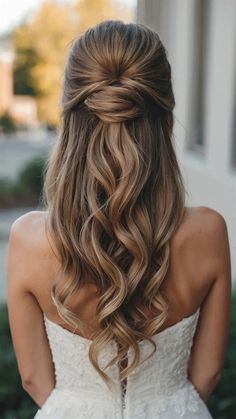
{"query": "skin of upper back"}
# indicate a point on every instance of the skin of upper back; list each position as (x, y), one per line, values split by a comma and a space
(190, 275)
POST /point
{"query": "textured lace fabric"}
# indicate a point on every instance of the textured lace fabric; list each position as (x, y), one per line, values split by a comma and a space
(157, 389)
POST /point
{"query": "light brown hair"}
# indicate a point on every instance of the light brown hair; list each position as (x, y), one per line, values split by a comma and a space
(113, 188)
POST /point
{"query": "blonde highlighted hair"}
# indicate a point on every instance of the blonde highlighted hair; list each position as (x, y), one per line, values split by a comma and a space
(113, 188)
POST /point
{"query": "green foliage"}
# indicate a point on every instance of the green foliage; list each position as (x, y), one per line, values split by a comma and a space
(5, 185)
(31, 177)
(23, 83)
(7, 198)
(26, 190)
(14, 401)
(16, 404)
(7, 123)
(222, 402)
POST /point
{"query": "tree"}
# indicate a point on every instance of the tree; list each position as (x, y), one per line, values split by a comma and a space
(41, 46)
(91, 12)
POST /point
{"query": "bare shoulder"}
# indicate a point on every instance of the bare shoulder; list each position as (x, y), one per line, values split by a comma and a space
(202, 223)
(202, 217)
(30, 220)
(31, 257)
(29, 229)
(203, 242)
(28, 237)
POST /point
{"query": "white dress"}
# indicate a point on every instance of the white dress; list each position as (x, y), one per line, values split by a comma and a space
(157, 389)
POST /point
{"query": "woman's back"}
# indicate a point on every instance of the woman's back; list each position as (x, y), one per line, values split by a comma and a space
(159, 387)
(186, 284)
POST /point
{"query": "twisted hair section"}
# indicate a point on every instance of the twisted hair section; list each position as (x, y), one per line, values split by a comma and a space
(113, 188)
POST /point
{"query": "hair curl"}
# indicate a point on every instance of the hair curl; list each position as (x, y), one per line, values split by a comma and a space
(113, 188)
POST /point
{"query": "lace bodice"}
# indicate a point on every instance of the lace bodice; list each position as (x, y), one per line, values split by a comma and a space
(158, 388)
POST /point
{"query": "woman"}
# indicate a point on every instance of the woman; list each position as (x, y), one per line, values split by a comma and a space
(118, 294)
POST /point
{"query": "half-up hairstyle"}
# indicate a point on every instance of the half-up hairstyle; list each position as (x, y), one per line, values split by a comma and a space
(113, 188)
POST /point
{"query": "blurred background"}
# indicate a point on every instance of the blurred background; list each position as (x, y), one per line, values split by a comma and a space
(200, 38)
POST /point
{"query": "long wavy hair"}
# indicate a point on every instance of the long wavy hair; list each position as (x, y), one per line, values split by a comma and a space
(113, 189)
